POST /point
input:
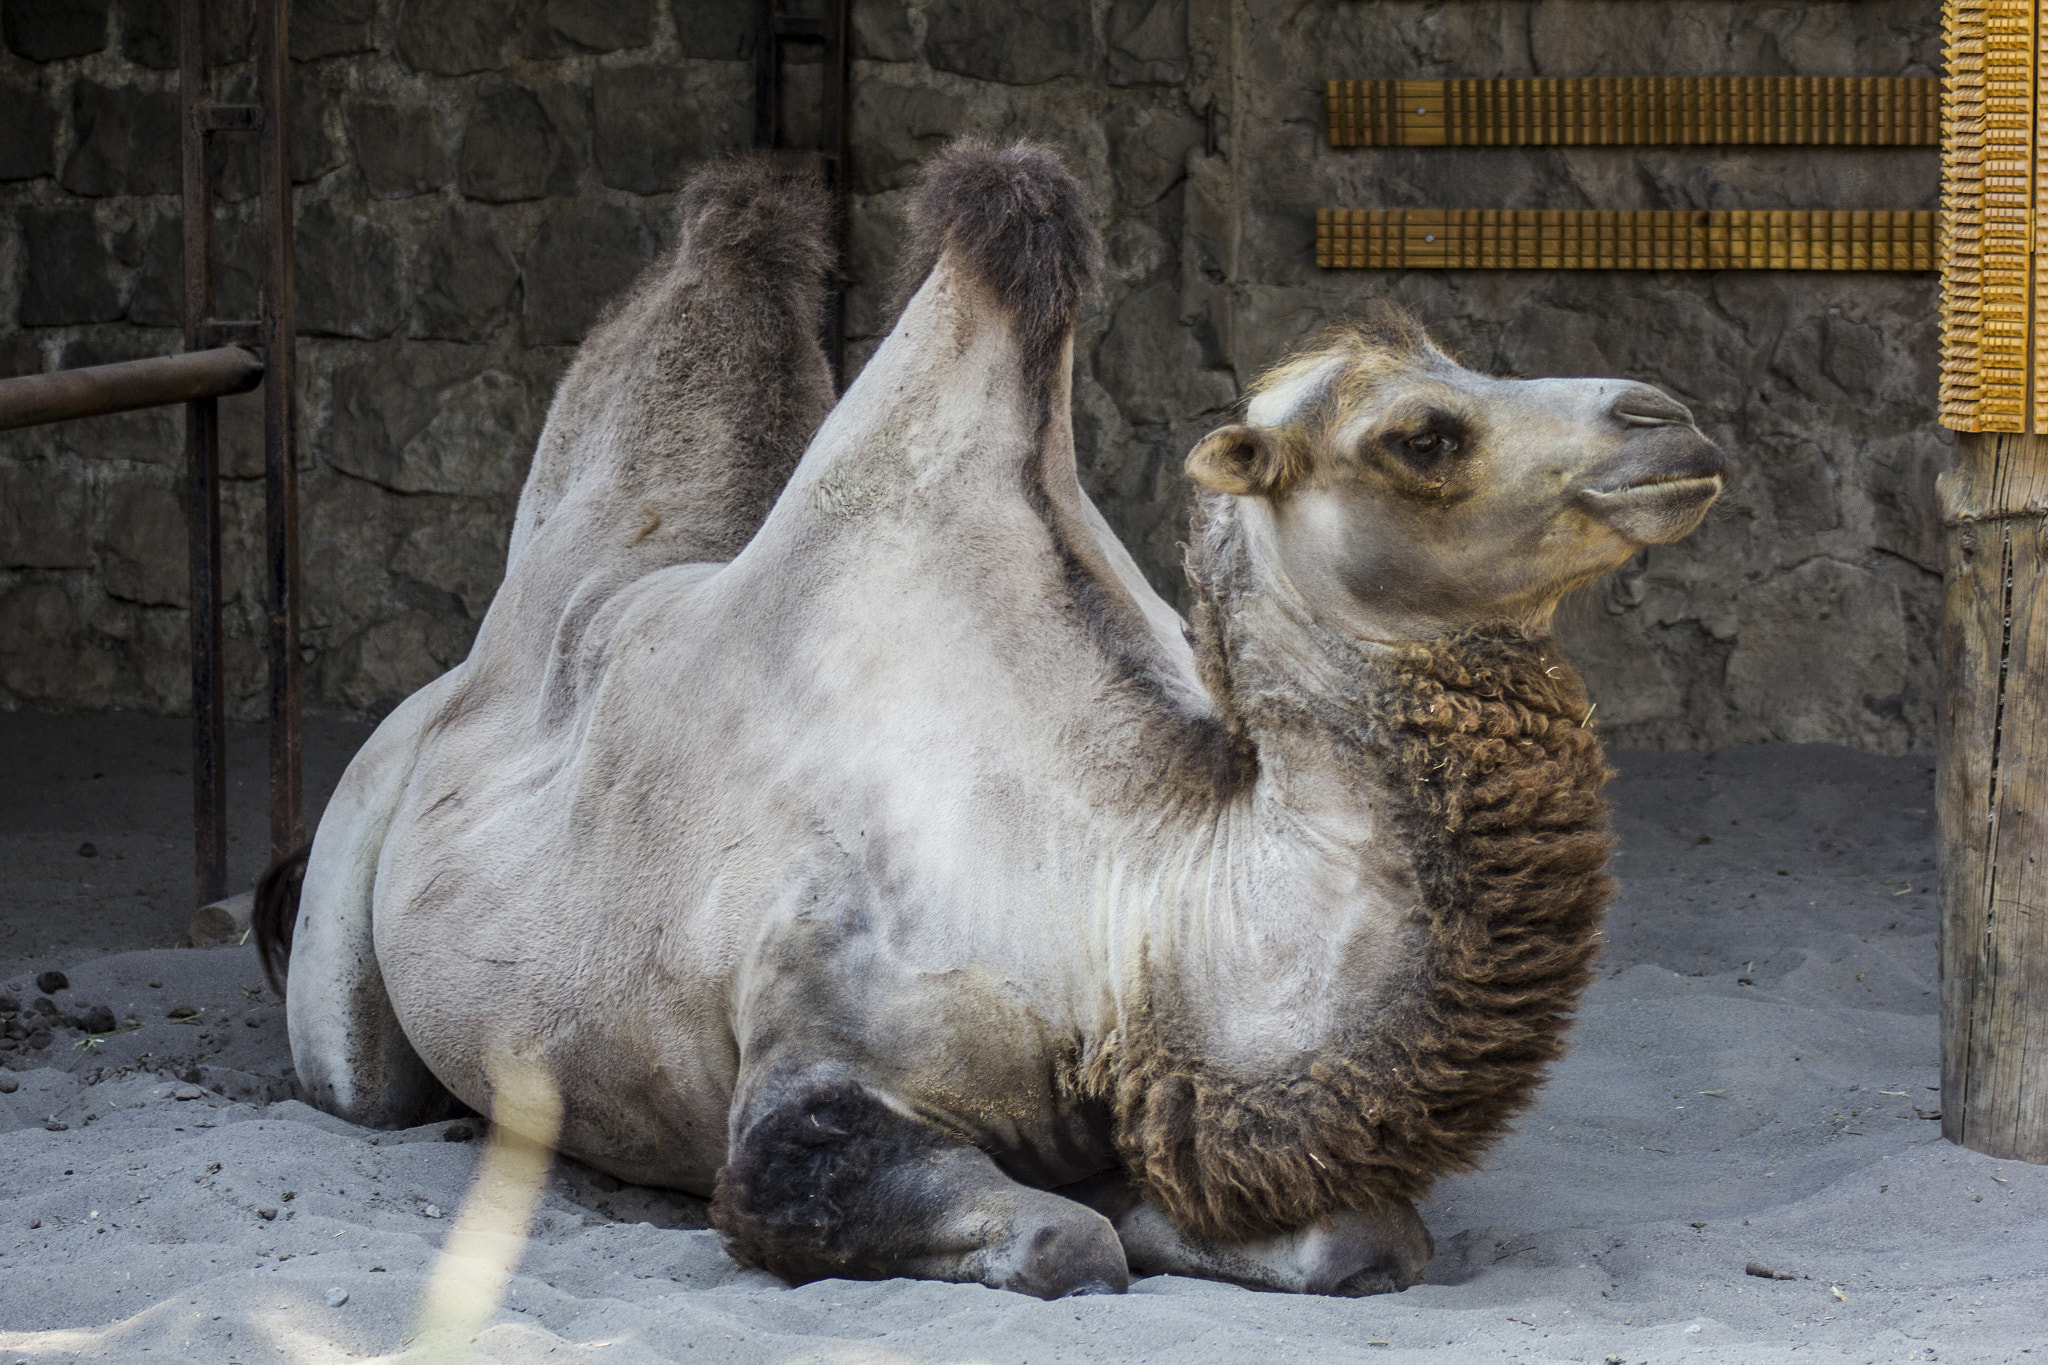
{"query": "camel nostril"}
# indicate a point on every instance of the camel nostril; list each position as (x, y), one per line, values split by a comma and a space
(1648, 407)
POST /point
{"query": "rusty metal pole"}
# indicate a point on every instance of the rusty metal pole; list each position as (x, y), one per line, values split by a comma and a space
(277, 328)
(126, 385)
(833, 141)
(767, 72)
(202, 474)
(833, 29)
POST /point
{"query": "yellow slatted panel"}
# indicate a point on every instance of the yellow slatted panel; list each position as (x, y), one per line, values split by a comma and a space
(1626, 239)
(1835, 111)
(1962, 124)
(1991, 317)
(2037, 232)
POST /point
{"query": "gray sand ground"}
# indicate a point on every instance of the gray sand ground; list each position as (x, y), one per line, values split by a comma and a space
(1751, 1083)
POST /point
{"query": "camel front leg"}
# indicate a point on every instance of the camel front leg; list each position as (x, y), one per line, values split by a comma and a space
(825, 1180)
(1349, 1252)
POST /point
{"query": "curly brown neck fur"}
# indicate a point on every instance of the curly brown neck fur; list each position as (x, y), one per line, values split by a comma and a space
(1496, 781)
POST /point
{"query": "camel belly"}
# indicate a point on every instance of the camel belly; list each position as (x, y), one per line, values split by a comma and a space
(649, 1020)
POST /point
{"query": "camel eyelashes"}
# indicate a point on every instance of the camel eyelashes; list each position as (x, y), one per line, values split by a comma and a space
(1425, 442)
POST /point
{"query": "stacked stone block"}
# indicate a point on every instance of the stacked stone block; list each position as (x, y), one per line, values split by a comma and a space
(476, 177)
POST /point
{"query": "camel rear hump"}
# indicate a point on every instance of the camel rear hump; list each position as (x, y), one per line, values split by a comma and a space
(694, 396)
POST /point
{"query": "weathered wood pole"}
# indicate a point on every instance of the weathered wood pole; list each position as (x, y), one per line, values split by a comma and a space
(1993, 797)
(1992, 790)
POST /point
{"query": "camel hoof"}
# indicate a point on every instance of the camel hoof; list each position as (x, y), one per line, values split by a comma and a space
(1398, 1248)
(1375, 1279)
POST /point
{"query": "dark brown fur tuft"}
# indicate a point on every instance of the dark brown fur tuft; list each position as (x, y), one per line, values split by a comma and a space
(275, 913)
(1498, 780)
(1016, 220)
(759, 219)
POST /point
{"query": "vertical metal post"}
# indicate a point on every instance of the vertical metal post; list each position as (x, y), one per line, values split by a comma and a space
(767, 72)
(278, 334)
(833, 29)
(202, 466)
(833, 142)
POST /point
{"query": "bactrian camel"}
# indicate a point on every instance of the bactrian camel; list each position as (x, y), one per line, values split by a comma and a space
(857, 840)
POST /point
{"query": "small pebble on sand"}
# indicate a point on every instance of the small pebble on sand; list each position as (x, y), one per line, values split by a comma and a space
(49, 983)
(336, 1297)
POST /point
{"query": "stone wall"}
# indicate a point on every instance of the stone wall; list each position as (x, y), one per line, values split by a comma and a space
(476, 176)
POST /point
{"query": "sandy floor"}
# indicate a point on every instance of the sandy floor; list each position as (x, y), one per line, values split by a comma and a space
(121, 787)
(1751, 1086)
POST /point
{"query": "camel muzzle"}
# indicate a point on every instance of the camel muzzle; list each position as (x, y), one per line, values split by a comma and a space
(1658, 486)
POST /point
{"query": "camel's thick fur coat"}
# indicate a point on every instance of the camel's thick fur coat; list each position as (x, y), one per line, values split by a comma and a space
(1496, 781)
(869, 845)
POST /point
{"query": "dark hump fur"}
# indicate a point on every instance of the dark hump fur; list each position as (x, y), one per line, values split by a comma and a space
(760, 219)
(708, 372)
(1018, 221)
(1497, 781)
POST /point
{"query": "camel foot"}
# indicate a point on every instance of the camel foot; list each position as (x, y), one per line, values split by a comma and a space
(1350, 1253)
(826, 1181)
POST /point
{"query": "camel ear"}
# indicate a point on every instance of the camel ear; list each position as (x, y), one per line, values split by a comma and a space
(1241, 460)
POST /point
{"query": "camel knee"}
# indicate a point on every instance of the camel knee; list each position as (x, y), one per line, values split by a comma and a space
(831, 1182)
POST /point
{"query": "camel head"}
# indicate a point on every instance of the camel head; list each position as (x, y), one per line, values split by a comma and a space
(1398, 495)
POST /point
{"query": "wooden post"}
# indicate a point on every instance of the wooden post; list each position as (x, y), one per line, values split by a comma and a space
(1993, 796)
(1993, 786)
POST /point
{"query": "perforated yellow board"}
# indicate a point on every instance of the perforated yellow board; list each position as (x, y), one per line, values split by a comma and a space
(1836, 111)
(1625, 239)
(1992, 313)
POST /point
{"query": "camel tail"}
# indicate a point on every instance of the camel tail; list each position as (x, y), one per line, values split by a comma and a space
(276, 913)
(1015, 219)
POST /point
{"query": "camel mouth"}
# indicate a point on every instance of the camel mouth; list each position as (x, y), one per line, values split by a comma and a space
(1657, 486)
(1674, 482)
(1656, 510)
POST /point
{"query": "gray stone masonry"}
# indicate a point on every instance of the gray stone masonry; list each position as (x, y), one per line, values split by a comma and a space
(476, 177)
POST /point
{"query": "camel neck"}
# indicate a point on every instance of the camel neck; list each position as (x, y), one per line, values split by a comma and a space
(1440, 992)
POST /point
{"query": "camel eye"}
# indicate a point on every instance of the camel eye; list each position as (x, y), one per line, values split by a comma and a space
(1429, 443)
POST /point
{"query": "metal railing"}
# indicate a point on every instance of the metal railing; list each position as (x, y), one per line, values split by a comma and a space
(215, 363)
